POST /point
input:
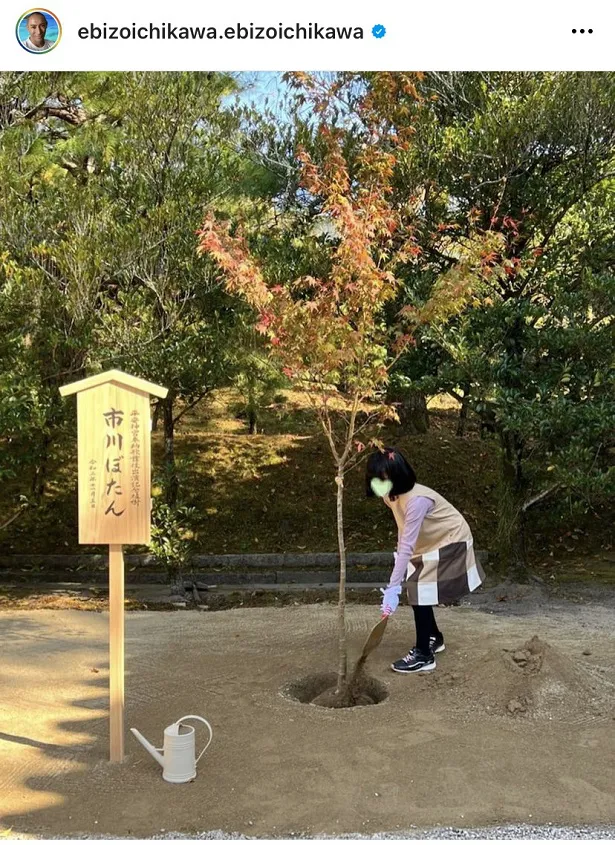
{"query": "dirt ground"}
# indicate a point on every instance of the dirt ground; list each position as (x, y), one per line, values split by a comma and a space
(515, 725)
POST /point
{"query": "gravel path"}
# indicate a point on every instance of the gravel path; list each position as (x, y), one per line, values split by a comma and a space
(521, 831)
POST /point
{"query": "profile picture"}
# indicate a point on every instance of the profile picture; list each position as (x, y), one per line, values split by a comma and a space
(38, 31)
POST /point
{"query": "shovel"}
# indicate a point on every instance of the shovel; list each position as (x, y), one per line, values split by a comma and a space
(373, 641)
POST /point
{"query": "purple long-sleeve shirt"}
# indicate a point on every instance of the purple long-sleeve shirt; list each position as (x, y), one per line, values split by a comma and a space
(416, 510)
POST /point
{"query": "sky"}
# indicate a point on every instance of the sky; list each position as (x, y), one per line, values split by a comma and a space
(262, 88)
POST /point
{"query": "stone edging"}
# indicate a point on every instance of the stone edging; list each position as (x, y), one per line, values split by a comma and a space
(221, 569)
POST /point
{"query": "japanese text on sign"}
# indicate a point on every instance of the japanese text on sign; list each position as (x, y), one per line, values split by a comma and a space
(114, 442)
(135, 458)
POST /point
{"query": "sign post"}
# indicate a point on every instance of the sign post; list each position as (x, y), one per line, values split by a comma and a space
(114, 469)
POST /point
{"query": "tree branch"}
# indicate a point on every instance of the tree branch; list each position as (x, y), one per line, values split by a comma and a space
(14, 517)
(535, 499)
(190, 407)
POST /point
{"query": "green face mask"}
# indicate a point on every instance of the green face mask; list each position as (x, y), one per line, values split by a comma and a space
(381, 488)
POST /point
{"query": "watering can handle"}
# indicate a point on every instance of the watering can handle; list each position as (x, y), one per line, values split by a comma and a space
(211, 733)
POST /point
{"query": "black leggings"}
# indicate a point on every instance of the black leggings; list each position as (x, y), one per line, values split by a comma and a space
(426, 627)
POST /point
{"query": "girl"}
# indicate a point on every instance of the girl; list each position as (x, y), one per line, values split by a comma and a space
(435, 553)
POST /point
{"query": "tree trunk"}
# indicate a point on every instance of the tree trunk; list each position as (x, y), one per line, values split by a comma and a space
(39, 480)
(252, 408)
(156, 415)
(172, 482)
(342, 668)
(512, 519)
(463, 412)
(177, 582)
(511, 527)
(412, 409)
(252, 421)
(488, 423)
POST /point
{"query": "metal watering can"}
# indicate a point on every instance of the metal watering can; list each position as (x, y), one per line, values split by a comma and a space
(178, 752)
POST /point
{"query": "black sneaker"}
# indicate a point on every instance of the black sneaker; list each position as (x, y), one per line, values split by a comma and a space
(436, 644)
(415, 661)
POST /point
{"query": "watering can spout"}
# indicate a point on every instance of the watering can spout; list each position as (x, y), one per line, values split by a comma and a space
(147, 745)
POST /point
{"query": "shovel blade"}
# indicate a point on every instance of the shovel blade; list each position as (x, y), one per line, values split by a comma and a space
(372, 642)
(375, 636)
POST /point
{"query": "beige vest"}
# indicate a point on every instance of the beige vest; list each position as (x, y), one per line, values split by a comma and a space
(442, 525)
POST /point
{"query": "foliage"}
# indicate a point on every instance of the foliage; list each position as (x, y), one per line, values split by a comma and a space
(441, 232)
(252, 371)
(172, 541)
(529, 158)
(104, 178)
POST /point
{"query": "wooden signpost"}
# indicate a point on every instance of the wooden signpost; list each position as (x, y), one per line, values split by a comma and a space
(114, 464)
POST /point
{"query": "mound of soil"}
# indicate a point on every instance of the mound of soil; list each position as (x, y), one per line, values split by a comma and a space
(535, 681)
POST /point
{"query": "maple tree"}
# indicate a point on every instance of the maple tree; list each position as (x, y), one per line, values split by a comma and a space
(329, 332)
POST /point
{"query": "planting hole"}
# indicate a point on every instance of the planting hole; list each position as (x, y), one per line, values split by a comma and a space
(319, 690)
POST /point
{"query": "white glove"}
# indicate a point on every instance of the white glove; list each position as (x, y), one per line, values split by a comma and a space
(390, 600)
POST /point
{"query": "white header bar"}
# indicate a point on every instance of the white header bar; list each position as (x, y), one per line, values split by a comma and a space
(396, 35)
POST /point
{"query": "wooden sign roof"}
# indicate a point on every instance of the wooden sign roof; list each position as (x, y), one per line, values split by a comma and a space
(115, 377)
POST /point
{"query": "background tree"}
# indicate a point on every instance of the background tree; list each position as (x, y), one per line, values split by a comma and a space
(104, 182)
(531, 158)
(52, 242)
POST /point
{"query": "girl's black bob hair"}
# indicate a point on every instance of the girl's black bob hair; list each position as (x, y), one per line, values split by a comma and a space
(390, 463)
